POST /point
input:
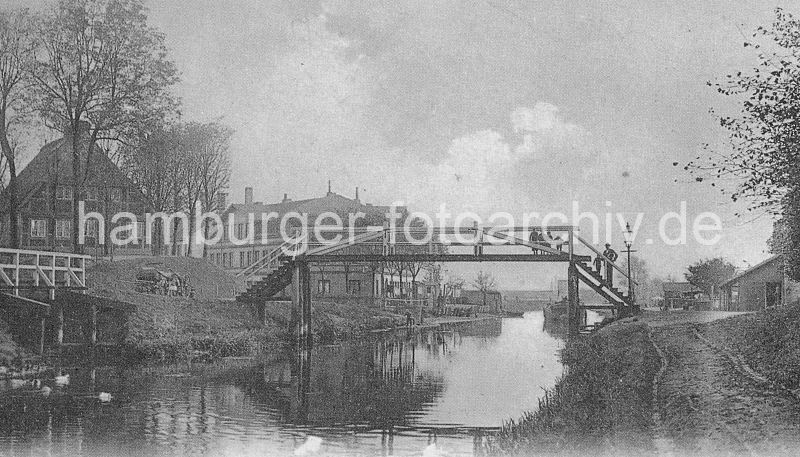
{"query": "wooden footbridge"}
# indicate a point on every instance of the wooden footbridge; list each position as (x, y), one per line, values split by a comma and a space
(288, 264)
(44, 284)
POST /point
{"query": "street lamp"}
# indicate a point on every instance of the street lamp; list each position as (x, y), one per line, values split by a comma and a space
(628, 234)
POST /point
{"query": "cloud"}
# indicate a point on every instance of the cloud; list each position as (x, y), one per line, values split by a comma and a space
(485, 172)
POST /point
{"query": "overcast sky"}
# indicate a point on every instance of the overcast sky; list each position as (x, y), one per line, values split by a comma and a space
(493, 105)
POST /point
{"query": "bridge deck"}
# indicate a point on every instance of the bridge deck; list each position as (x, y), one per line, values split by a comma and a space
(437, 258)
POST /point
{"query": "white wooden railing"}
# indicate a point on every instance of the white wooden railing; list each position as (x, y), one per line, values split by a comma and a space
(45, 269)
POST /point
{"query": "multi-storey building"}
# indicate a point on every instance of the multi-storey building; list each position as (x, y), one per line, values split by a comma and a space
(332, 279)
(45, 202)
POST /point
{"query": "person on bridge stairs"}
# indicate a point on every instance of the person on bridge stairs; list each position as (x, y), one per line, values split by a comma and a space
(598, 265)
(611, 255)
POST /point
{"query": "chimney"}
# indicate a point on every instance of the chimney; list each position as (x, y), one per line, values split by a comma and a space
(356, 193)
(329, 187)
(285, 198)
(222, 201)
(248, 195)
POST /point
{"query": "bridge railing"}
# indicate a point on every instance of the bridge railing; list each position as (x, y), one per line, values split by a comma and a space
(434, 239)
(21, 269)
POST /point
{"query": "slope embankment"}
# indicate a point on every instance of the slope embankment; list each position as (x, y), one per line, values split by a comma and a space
(211, 323)
(674, 383)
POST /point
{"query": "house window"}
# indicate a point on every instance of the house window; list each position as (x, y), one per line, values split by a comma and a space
(354, 287)
(249, 258)
(38, 228)
(241, 259)
(91, 228)
(91, 194)
(64, 193)
(63, 229)
(324, 286)
(140, 231)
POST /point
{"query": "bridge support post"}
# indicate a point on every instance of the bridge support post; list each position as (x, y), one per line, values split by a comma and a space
(59, 325)
(301, 301)
(92, 326)
(42, 330)
(573, 313)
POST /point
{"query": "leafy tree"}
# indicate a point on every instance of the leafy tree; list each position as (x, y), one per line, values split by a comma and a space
(709, 273)
(16, 58)
(100, 65)
(764, 156)
(765, 136)
(785, 238)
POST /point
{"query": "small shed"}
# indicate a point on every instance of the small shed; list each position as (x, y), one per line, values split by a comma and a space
(763, 286)
(494, 300)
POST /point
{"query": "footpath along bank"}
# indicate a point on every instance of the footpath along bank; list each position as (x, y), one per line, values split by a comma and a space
(696, 383)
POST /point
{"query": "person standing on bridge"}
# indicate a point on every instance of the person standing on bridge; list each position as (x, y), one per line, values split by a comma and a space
(534, 238)
(611, 256)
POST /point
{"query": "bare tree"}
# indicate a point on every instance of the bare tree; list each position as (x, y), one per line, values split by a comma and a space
(204, 149)
(103, 68)
(16, 57)
(452, 285)
(215, 169)
(485, 283)
(152, 163)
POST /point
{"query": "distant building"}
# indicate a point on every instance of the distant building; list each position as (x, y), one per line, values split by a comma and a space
(762, 286)
(681, 295)
(44, 201)
(332, 279)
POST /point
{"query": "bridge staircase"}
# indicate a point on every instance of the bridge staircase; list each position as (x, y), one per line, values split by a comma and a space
(278, 278)
(622, 302)
(276, 272)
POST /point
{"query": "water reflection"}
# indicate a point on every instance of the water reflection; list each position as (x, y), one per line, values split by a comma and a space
(392, 394)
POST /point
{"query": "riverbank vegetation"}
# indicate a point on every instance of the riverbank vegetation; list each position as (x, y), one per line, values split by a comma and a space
(601, 404)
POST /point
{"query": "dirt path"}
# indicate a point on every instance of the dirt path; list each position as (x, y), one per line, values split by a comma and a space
(711, 403)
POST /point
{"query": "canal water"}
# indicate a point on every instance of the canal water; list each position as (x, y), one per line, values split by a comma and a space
(393, 394)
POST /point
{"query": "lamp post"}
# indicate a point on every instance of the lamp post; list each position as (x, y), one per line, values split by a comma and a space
(628, 234)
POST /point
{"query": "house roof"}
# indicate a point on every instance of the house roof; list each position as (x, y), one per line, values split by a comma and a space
(314, 206)
(770, 261)
(54, 163)
(680, 287)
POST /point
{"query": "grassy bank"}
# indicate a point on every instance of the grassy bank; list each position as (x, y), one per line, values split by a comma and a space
(601, 405)
(167, 328)
(769, 341)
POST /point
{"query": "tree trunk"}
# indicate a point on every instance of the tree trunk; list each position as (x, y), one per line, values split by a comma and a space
(13, 211)
(76, 188)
